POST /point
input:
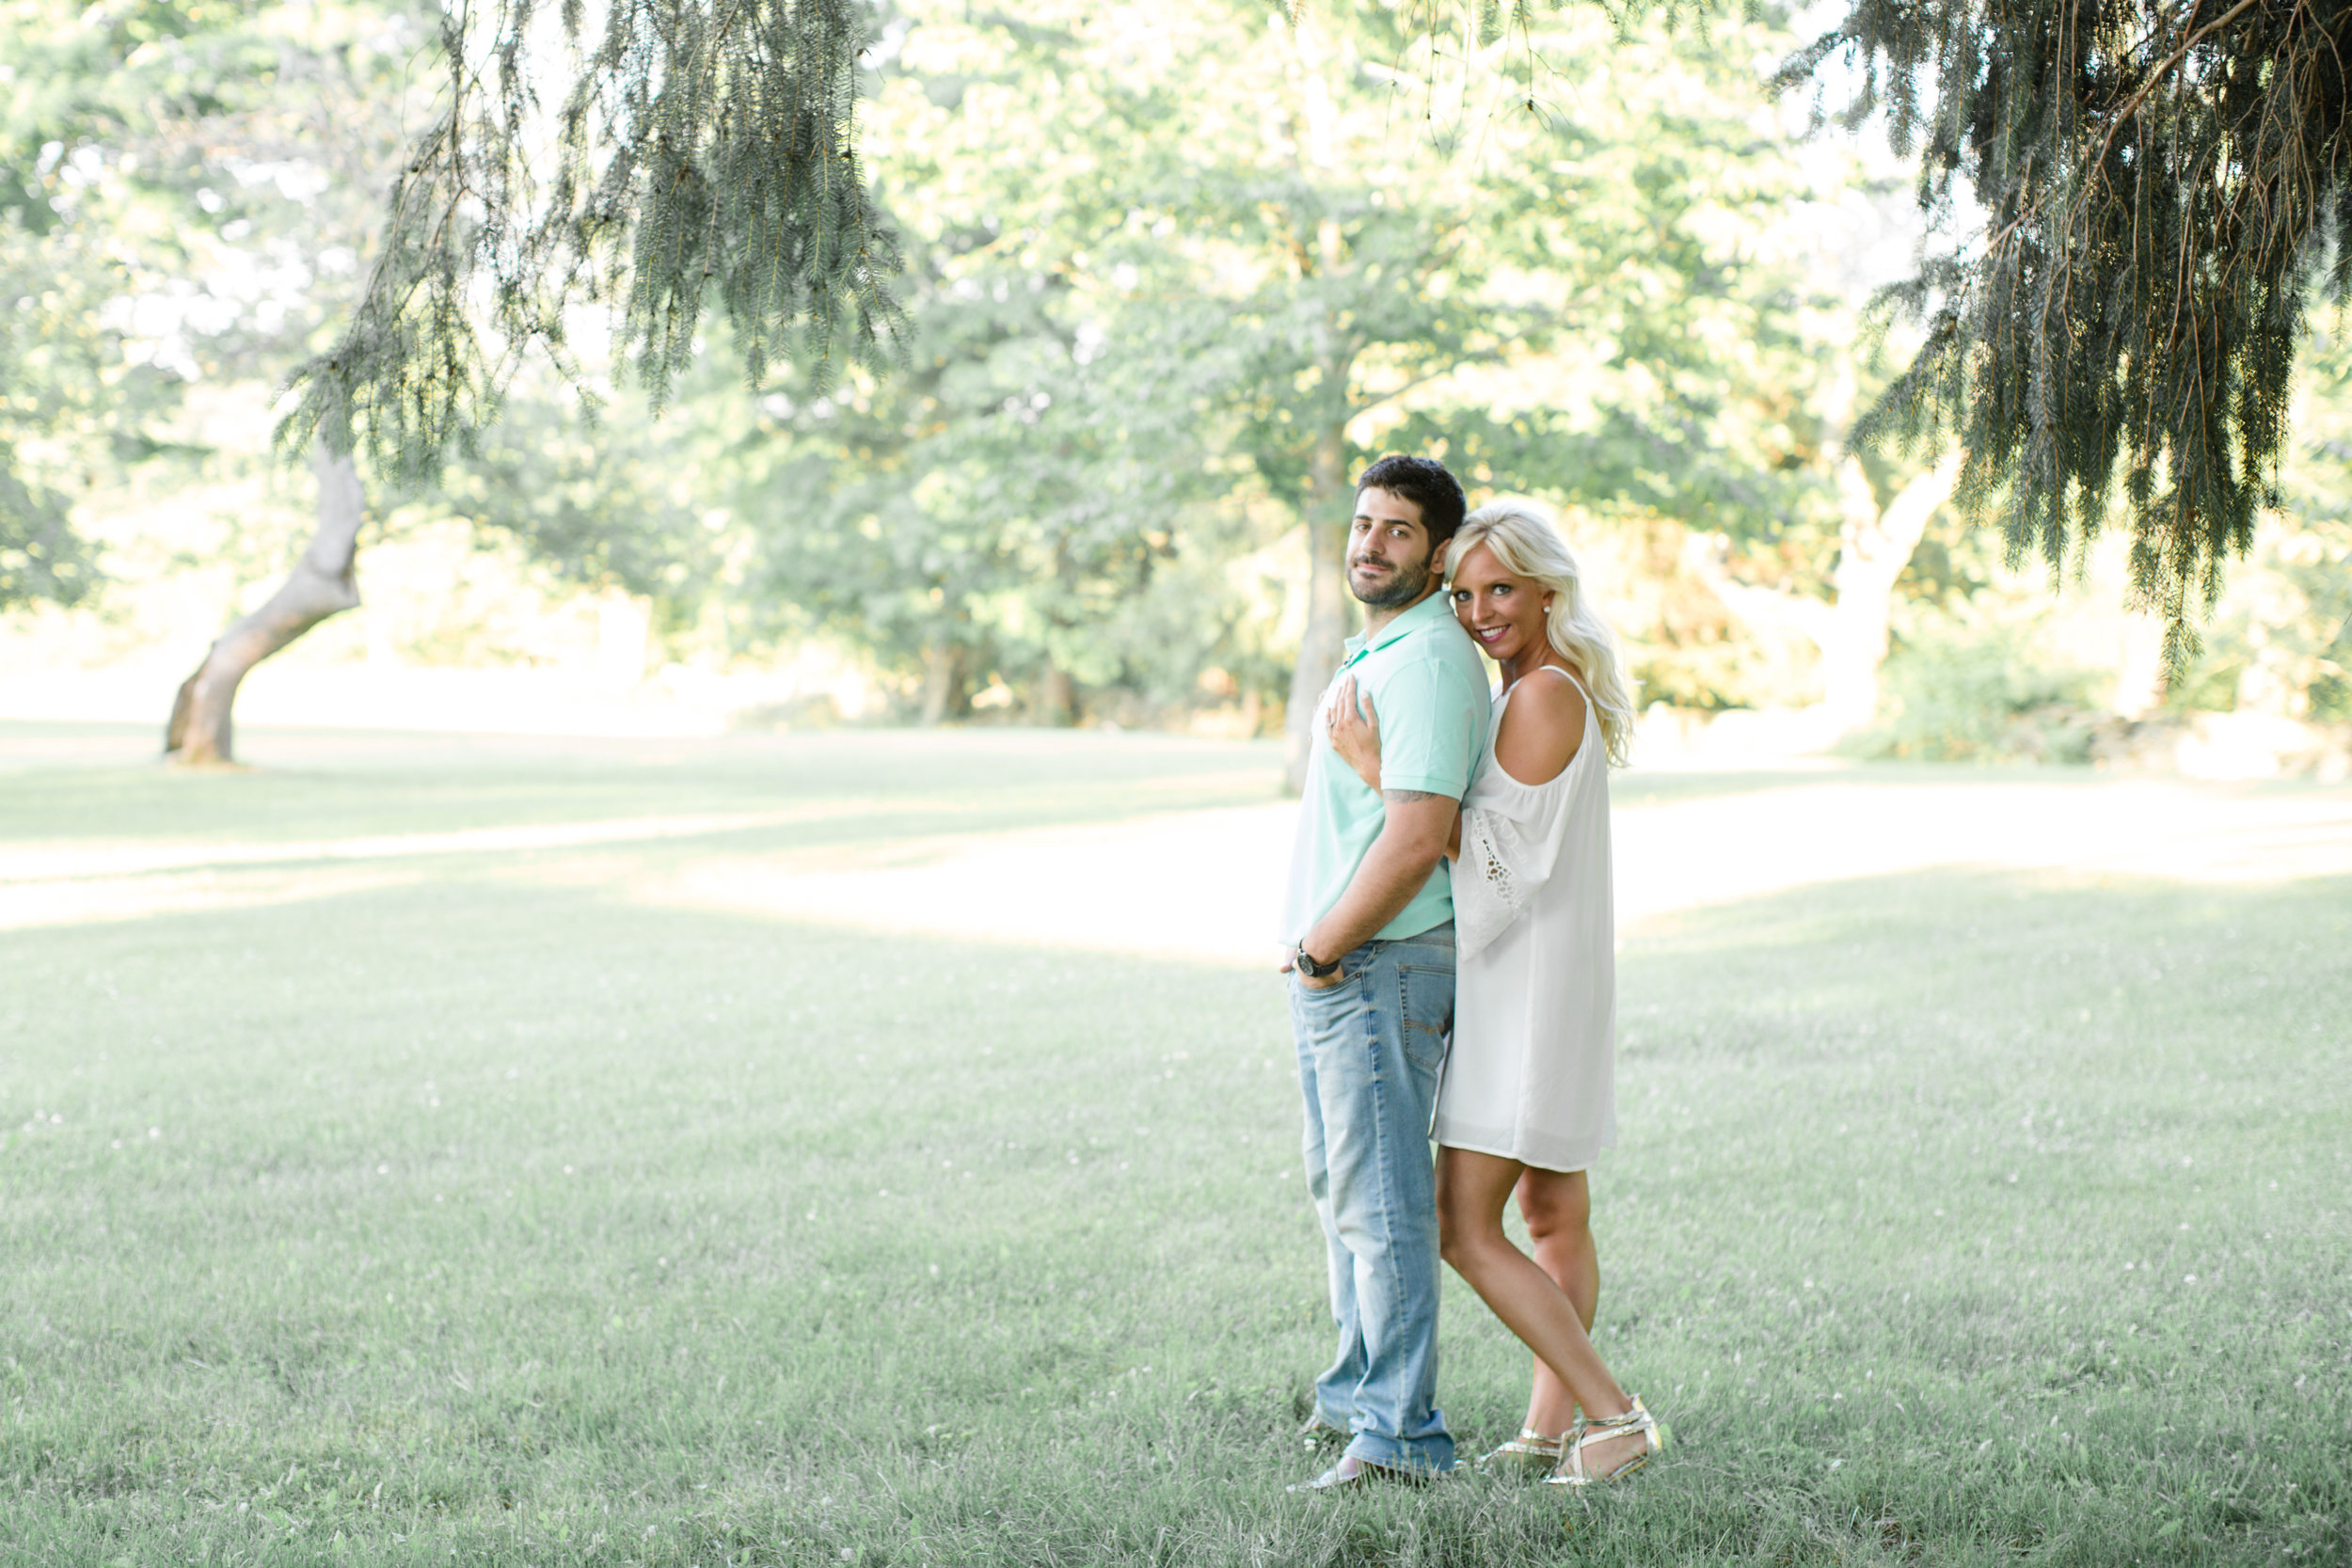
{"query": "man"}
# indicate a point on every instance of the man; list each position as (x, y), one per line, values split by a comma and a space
(1370, 925)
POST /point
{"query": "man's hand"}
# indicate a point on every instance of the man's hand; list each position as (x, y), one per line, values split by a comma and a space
(1308, 982)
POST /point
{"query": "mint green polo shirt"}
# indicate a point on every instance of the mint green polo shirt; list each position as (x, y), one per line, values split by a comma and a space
(1428, 688)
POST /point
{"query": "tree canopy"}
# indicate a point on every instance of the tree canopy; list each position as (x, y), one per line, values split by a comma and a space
(2161, 187)
(2158, 183)
(695, 148)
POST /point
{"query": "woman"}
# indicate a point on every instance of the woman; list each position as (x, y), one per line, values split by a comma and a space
(1528, 1099)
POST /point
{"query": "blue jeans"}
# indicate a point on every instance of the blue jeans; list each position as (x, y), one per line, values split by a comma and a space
(1369, 1050)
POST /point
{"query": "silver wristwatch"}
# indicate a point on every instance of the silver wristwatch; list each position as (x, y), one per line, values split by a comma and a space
(1309, 967)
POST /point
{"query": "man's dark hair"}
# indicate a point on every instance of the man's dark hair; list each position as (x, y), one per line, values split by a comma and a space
(1426, 483)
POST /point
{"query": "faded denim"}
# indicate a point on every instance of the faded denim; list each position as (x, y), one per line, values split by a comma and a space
(1369, 1051)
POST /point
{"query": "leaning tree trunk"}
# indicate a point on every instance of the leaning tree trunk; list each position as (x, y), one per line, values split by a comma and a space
(1874, 547)
(320, 584)
(1326, 601)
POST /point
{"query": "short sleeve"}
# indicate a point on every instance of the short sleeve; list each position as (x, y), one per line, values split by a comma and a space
(1429, 730)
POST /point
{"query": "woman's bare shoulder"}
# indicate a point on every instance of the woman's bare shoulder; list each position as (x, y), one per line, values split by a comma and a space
(1543, 724)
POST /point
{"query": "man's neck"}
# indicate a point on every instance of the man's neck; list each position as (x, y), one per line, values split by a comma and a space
(1377, 620)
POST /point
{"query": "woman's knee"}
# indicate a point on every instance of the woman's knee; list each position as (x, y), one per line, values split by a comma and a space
(1555, 1205)
(1462, 1238)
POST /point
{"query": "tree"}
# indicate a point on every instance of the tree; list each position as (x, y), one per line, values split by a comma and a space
(48, 333)
(2158, 183)
(1004, 510)
(202, 731)
(76, 227)
(169, 191)
(2162, 186)
(602, 510)
(1142, 301)
(696, 148)
(1559, 294)
(1879, 526)
(186, 193)
(2282, 636)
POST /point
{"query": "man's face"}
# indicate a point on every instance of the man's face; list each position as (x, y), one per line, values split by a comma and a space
(1388, 550)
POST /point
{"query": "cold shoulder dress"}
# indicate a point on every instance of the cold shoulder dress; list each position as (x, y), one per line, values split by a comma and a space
(1531, 1074)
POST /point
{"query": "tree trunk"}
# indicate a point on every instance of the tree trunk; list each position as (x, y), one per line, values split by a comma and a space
(322, 584)
(2141, 684)
(1319, 648)
(942, 682)
(1850, 630)
(1057, 699)
(1874, 547)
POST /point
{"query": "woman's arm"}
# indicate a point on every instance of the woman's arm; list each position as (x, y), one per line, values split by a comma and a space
(1356, 736)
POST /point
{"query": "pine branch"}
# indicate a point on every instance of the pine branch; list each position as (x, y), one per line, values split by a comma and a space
(705, 147)
(2162, 198)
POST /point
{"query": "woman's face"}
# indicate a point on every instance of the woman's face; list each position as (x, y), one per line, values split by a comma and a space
(1503, 614)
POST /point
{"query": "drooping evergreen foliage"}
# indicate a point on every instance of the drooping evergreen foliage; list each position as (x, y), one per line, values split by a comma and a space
(2162, 184)
(699, 147)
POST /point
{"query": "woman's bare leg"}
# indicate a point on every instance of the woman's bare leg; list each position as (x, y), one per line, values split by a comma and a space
(1472, 1190)
(1557, 1206)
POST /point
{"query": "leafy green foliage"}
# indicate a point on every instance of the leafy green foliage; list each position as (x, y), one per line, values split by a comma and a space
(176, 185)
(1172, 282)
(2159, 183)
(1009, 506)
(615, 505)
(41, 557)
(46, 386)
(1984, 698)
(695, 148)
(2281, 639)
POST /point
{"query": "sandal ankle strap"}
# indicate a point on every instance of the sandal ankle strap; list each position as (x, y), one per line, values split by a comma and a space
(1635, 1416)
(1636, 1420)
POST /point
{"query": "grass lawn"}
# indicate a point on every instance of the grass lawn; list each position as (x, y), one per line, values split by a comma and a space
(495, 1218)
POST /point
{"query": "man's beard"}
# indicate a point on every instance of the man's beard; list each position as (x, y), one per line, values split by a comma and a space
(1407, 585)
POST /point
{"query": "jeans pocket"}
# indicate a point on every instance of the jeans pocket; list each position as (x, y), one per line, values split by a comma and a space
(1424, 1011)
(1318, 1012)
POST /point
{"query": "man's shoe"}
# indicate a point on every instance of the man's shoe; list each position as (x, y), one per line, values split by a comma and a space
(1352, 1474)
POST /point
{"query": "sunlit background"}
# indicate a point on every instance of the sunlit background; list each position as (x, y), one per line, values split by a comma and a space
(1174, 276)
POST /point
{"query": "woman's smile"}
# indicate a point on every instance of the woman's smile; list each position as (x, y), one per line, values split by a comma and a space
(1503, 613)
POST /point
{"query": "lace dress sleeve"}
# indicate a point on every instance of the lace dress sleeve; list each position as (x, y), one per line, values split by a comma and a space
(1506, 855)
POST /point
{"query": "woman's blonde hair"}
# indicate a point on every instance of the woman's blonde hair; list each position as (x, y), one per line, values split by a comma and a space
(1527, 544)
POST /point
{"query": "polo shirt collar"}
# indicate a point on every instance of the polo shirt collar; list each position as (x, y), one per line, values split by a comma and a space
(1420, 615)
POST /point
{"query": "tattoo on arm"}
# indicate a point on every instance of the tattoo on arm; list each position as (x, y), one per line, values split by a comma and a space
(1408, 797)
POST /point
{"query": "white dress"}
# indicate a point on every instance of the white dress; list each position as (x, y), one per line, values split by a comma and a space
(1531, 1075)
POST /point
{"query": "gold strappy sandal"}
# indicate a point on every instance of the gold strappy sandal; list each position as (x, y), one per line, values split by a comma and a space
(1572, 1470)
(1528, 1455)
